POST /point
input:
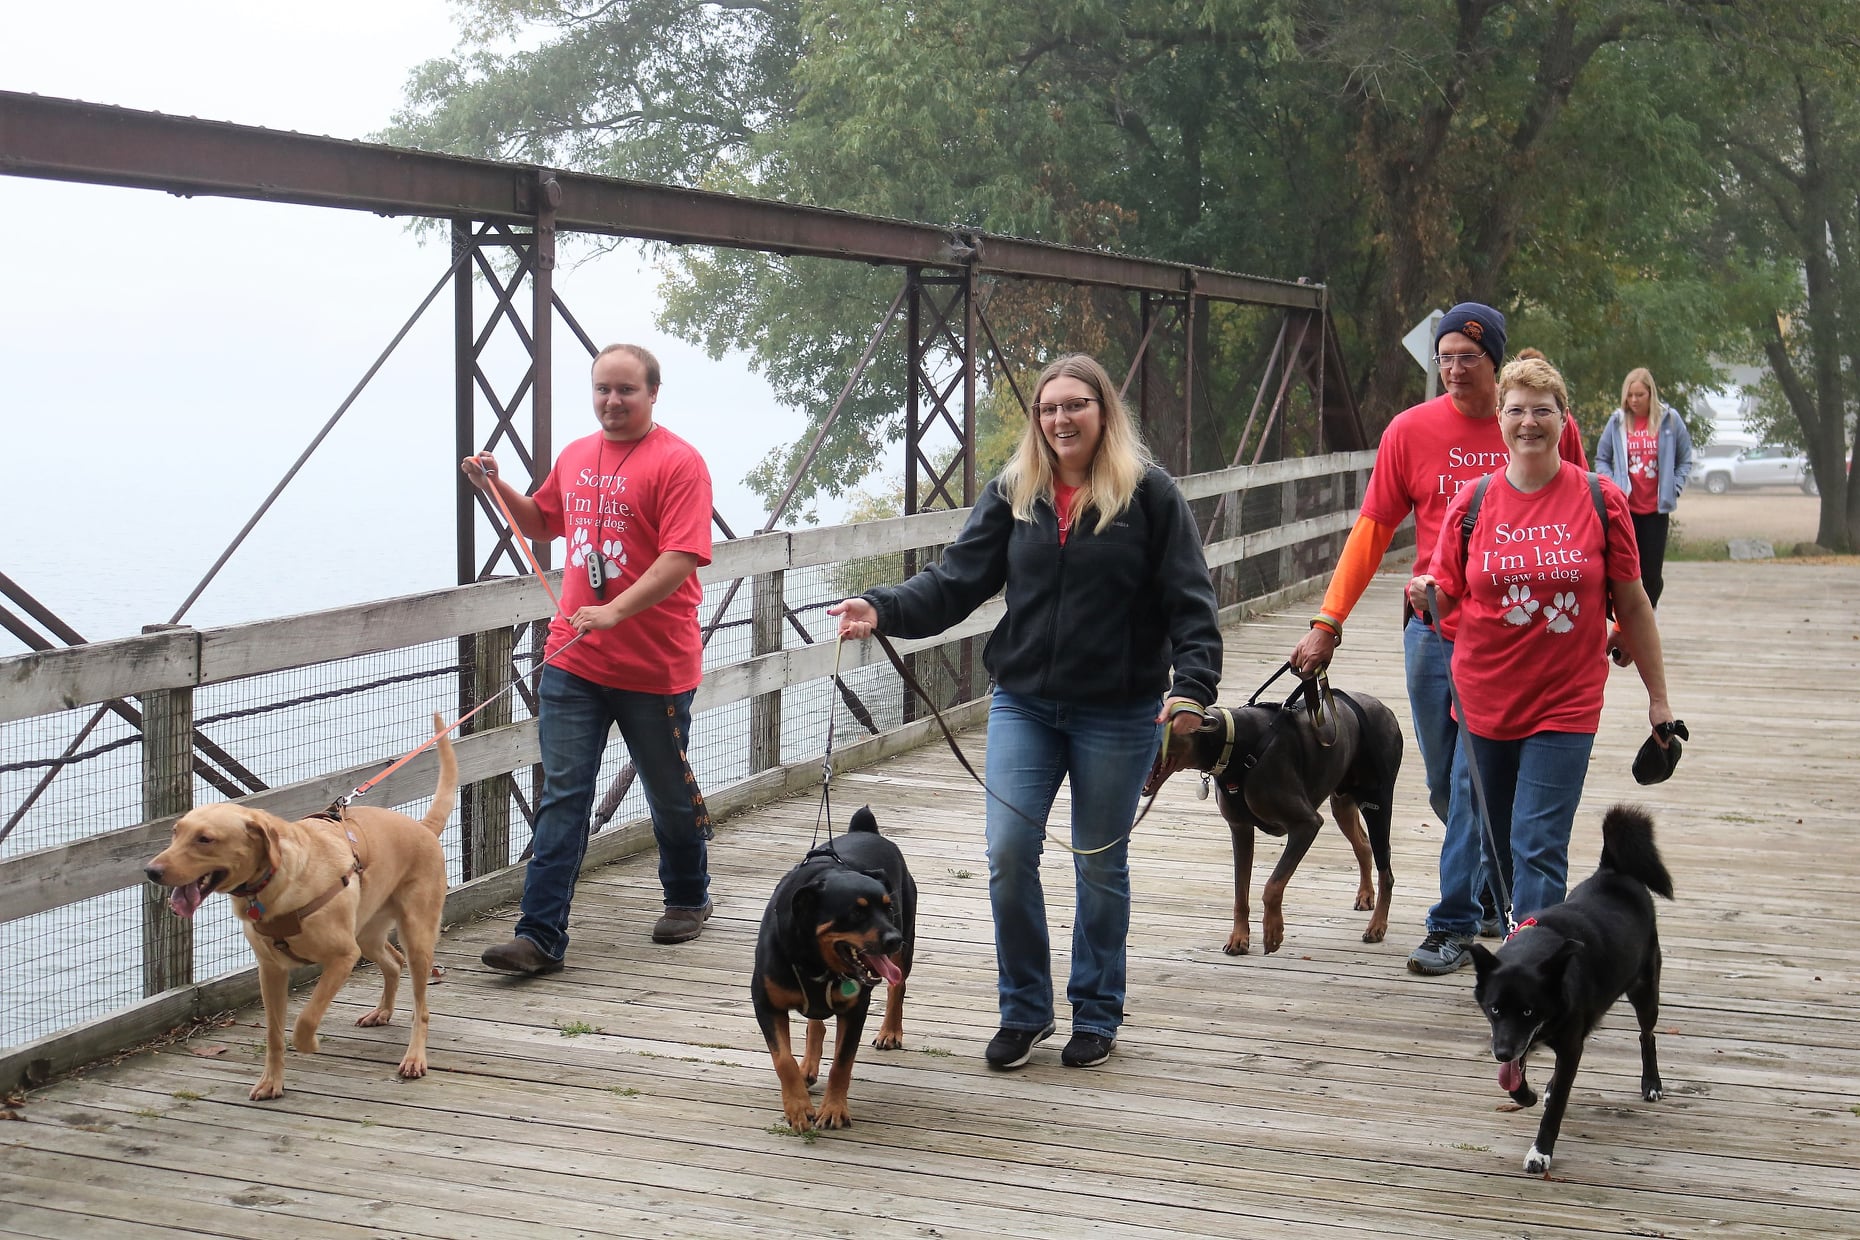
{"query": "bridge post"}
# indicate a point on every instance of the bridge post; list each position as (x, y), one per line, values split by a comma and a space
(167, 788)
(766, 638)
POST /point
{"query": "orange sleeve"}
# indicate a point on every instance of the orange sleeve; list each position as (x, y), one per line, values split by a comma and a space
(1362, 554)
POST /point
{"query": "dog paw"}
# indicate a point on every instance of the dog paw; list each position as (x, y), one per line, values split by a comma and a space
(375, 1017)
(413, 1067)
(615, 555)
(1536, 1163)
(1522, 605)
(888, 1041)
(268, 1087)
(1237, 945)
(1653, 1092)
(833, 1115)
(578, 548)
(800, 1121)
(1559, 615)
(1365, 900)
(305, 1041)
(1376, 932)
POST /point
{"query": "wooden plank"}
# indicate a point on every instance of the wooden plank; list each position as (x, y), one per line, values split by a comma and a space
(51, 877)
(1243, 477)
(1230, 550)
(72, 677)
(390, 624)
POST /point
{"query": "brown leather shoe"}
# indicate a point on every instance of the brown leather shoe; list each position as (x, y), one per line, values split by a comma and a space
(521, 956)
(680, 925)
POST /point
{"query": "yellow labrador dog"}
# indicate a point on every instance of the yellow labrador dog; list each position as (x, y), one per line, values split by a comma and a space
(322, 891)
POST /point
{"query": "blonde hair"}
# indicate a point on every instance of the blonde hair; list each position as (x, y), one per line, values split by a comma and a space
(1534, 374)
(1656, 411)
(1116, 468)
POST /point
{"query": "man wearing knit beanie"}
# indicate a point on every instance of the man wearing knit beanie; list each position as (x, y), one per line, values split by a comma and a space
(1427, 453)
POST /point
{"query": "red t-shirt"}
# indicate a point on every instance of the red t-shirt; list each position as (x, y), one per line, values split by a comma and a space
(1643, 449)
(1062, 507)
(1533, 619)
(629, 503)
(1427, 454)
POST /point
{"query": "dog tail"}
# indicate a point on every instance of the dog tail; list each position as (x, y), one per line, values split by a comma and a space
(447, 795)
(1628, 849)
(862, 820)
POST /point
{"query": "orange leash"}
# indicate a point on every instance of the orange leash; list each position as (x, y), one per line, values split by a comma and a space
(340, 803)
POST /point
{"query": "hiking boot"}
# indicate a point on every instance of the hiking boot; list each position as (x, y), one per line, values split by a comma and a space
(1441, 951)
(520, 956)
(1010, 1048)
(680, 925)
(1087, 1050)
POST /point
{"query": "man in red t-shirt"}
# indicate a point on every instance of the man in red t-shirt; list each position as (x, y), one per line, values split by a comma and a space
(1426, 455)
(624, 649)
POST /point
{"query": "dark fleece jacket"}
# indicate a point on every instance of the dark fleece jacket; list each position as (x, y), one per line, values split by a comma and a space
(1100, 620)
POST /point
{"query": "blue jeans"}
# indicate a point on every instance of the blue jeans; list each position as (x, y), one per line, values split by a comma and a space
(572, 724)
(1033, 743)
(1430, 705)
(1533, 787)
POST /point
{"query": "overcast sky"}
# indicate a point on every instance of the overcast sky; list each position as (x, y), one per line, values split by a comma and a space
(162, 361)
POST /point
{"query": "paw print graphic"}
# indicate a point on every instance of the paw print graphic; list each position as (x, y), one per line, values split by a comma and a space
(1560, 616)
(615, 555)
(1522, 605)
(578, 548)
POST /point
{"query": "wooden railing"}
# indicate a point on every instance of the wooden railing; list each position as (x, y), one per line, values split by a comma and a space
(1312, 502)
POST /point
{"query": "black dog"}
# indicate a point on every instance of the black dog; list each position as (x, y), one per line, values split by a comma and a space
(1272, 767)
(838, 923)
(1552, 983)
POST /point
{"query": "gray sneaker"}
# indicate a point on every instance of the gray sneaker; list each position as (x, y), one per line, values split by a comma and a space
(1441, 952)
(1492, 927)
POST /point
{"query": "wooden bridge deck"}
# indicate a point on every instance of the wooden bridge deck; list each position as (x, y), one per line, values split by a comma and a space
(1322, 1090)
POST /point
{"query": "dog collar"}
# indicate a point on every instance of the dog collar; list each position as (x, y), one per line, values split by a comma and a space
(247, 891)
(1528, 921)
(1226, 717)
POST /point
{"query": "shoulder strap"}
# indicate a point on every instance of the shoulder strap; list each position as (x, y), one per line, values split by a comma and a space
(1601, 514)
(1471, 516)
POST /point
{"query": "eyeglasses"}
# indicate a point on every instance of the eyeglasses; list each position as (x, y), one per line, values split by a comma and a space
(1447, 361)
(1073, 408)
(1537, 413)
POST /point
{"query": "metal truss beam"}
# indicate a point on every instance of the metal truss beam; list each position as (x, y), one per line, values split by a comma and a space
(67, 140)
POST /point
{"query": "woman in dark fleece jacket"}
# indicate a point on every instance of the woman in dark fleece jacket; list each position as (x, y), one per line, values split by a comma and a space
(1107, 592)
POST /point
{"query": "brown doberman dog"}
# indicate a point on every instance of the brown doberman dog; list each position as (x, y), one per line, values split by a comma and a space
(322, 891)
(840, 922)
(1272, 766)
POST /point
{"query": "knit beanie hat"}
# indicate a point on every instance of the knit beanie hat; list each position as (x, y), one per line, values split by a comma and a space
(1480, 324)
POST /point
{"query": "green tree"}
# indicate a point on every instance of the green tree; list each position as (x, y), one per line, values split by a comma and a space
(1536, 154)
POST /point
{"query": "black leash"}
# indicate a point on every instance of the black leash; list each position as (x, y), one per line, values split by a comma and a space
(1472, 765)
(911, 683)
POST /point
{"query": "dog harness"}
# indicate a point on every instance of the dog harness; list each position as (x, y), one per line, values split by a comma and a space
(282, 929)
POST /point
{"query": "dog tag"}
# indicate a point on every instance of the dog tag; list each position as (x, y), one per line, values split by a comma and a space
(848, 987)
(1201, 792)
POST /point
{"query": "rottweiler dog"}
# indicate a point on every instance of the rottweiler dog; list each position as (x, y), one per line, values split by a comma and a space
(841, 921)
(1272, 766)
(1551, 983)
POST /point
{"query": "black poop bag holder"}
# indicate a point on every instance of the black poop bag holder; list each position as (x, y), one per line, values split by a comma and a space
(1654, 764)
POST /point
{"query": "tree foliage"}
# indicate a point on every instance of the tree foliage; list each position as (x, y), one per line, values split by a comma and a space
(1636, 182)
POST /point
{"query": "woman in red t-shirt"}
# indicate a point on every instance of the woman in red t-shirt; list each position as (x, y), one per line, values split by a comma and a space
(1531, 586)
(1647, 451)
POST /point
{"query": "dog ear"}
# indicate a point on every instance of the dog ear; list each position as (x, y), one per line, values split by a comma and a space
(805, 902)
(264, 832)
(1484, 961)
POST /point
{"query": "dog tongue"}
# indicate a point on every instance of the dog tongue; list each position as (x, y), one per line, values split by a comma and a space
(883, 966)
(186, 900)
(1510, 1075)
